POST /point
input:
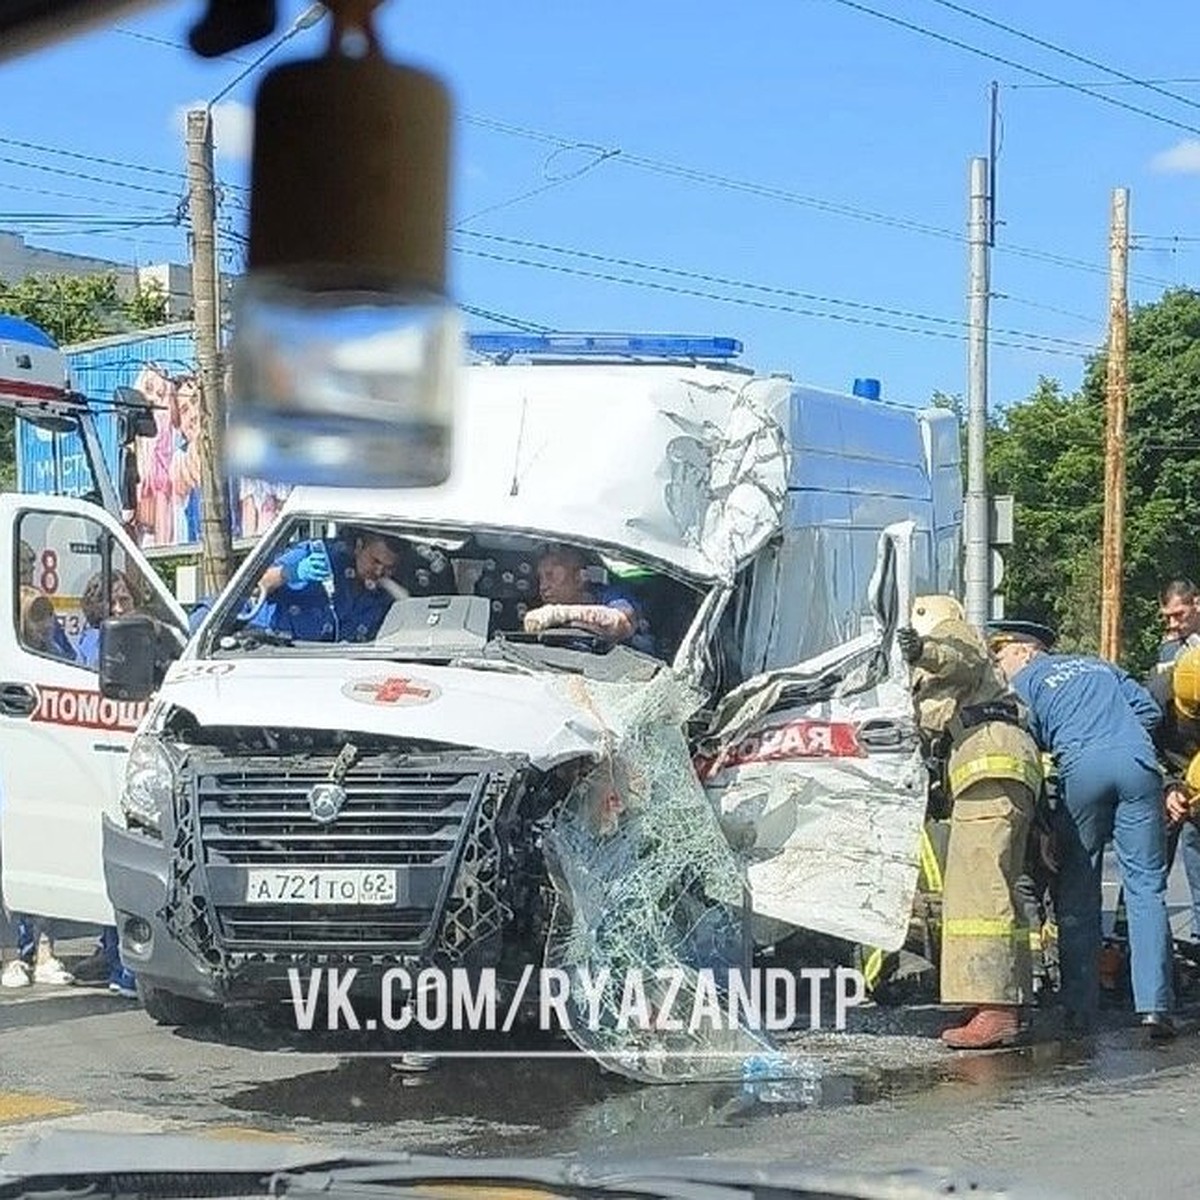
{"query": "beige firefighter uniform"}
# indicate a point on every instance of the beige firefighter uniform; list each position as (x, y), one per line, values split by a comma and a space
(993, 776)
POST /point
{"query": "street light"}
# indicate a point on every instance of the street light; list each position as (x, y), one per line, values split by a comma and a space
(312, 15)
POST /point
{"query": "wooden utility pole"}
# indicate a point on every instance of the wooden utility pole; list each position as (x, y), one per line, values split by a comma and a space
(1112, 565)
(216, 561)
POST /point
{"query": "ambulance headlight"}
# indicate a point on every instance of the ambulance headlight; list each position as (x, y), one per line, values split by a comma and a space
(149, 784)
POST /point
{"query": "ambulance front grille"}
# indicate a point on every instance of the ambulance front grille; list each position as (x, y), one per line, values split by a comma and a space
(414, 819)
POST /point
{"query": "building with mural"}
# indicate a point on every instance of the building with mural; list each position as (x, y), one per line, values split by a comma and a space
(158, 477)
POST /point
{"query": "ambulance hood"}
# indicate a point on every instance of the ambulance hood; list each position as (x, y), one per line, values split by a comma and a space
(499, 711)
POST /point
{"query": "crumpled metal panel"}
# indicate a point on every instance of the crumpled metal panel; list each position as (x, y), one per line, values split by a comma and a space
(684, 465)
(828, 822)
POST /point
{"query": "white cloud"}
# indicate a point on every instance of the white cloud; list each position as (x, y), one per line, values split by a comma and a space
(233, 127)
(1182, 158)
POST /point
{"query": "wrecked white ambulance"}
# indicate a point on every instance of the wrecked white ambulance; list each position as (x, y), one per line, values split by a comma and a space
(458, 791)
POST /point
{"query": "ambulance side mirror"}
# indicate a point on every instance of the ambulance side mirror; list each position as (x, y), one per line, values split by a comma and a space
(135, 652)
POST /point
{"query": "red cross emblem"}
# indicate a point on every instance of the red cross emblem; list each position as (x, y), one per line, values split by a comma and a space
(396, 689)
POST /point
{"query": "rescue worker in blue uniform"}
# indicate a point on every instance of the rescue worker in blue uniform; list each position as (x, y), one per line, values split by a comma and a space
(323, 591)
(1097, 723)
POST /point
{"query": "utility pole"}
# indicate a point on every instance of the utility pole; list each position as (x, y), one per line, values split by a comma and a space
(977, 558)
(216, 562)
(1113, 561)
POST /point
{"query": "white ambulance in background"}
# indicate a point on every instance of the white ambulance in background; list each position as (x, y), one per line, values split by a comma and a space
(62, 745)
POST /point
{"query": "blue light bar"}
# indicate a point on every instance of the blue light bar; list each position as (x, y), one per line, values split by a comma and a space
(582, 345)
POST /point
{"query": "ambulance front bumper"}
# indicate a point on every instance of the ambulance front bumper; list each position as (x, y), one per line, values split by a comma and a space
(137, 872)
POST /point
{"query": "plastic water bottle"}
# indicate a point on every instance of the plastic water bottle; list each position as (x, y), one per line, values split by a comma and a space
(774, 1078)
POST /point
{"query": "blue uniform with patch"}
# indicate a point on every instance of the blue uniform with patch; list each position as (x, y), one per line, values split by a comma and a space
(308, 614)
(1097, 722)
(642, 638)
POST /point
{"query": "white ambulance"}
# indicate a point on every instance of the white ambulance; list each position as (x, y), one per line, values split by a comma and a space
(454, 790)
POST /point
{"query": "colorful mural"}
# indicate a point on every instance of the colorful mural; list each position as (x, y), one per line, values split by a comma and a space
(158, 477)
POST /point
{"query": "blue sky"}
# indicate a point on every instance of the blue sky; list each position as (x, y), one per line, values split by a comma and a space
(819, 105)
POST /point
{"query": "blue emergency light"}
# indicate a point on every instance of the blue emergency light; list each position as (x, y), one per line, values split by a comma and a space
(581, 345)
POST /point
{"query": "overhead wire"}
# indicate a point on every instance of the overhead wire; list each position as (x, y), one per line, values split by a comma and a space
(768, 191)
(946, 39)
(744, 285)
(750, 302)
(1054, 48)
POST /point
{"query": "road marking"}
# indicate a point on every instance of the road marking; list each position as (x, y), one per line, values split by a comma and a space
(245, 1133)
(22, 1106)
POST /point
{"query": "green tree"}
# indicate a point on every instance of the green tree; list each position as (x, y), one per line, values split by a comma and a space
(1048, 451)
(72, 309)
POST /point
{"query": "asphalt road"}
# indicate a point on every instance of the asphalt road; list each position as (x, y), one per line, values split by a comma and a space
(1109, 1117)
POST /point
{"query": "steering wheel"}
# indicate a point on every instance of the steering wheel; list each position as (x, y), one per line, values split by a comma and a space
(253, 605)
(567, 637)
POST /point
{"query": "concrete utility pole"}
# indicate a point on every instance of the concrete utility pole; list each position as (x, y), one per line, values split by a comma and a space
(216, 562)
(977, 559)
(1113, 561)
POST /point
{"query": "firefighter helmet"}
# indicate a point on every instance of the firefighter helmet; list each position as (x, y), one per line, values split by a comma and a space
(1185, 683)
(928, 612)
(1191, 779)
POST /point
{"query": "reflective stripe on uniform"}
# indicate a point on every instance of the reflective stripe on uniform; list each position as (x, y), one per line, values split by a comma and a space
(931, 869)
(997, 927)
(996, 766)
(873, 967)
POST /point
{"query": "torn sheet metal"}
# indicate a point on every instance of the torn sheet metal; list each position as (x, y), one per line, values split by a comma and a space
(818, 775)
(688, 466)
(648, 889)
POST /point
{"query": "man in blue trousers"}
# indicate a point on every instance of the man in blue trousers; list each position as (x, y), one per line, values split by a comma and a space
(1097, 721)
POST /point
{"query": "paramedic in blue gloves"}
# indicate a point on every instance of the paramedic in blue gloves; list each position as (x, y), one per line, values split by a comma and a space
(331, 591)
(1097, 722)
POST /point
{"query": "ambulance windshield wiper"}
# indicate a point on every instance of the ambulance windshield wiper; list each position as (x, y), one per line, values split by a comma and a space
(252, 637)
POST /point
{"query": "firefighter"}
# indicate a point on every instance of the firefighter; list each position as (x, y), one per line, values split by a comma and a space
(1176, 689)
(993, 774)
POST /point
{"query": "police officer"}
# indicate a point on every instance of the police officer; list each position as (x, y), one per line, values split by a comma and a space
(330, 591)
(993, 776)
(1097, 723)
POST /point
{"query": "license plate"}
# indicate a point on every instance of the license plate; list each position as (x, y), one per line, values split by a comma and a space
(341, 886)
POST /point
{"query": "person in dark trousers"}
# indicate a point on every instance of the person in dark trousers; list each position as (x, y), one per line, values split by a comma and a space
(1097, 723)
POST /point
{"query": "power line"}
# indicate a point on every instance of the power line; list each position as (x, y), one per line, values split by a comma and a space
(169, 44)
(746, 302)
(743, 285)
(771, 192)
(1050, 308)
(912, 27)
(96, 159)
(503, 319)
(110, 201)
(68, 174)
(1103, 83)
(697, 175)
(1150, 85)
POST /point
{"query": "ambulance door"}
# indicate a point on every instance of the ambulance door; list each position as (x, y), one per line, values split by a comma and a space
(63, 745)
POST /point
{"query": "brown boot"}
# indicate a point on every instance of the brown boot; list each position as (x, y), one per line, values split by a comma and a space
(990, 1026)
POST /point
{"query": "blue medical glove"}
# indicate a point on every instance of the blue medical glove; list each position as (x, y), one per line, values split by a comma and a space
(314, 567)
